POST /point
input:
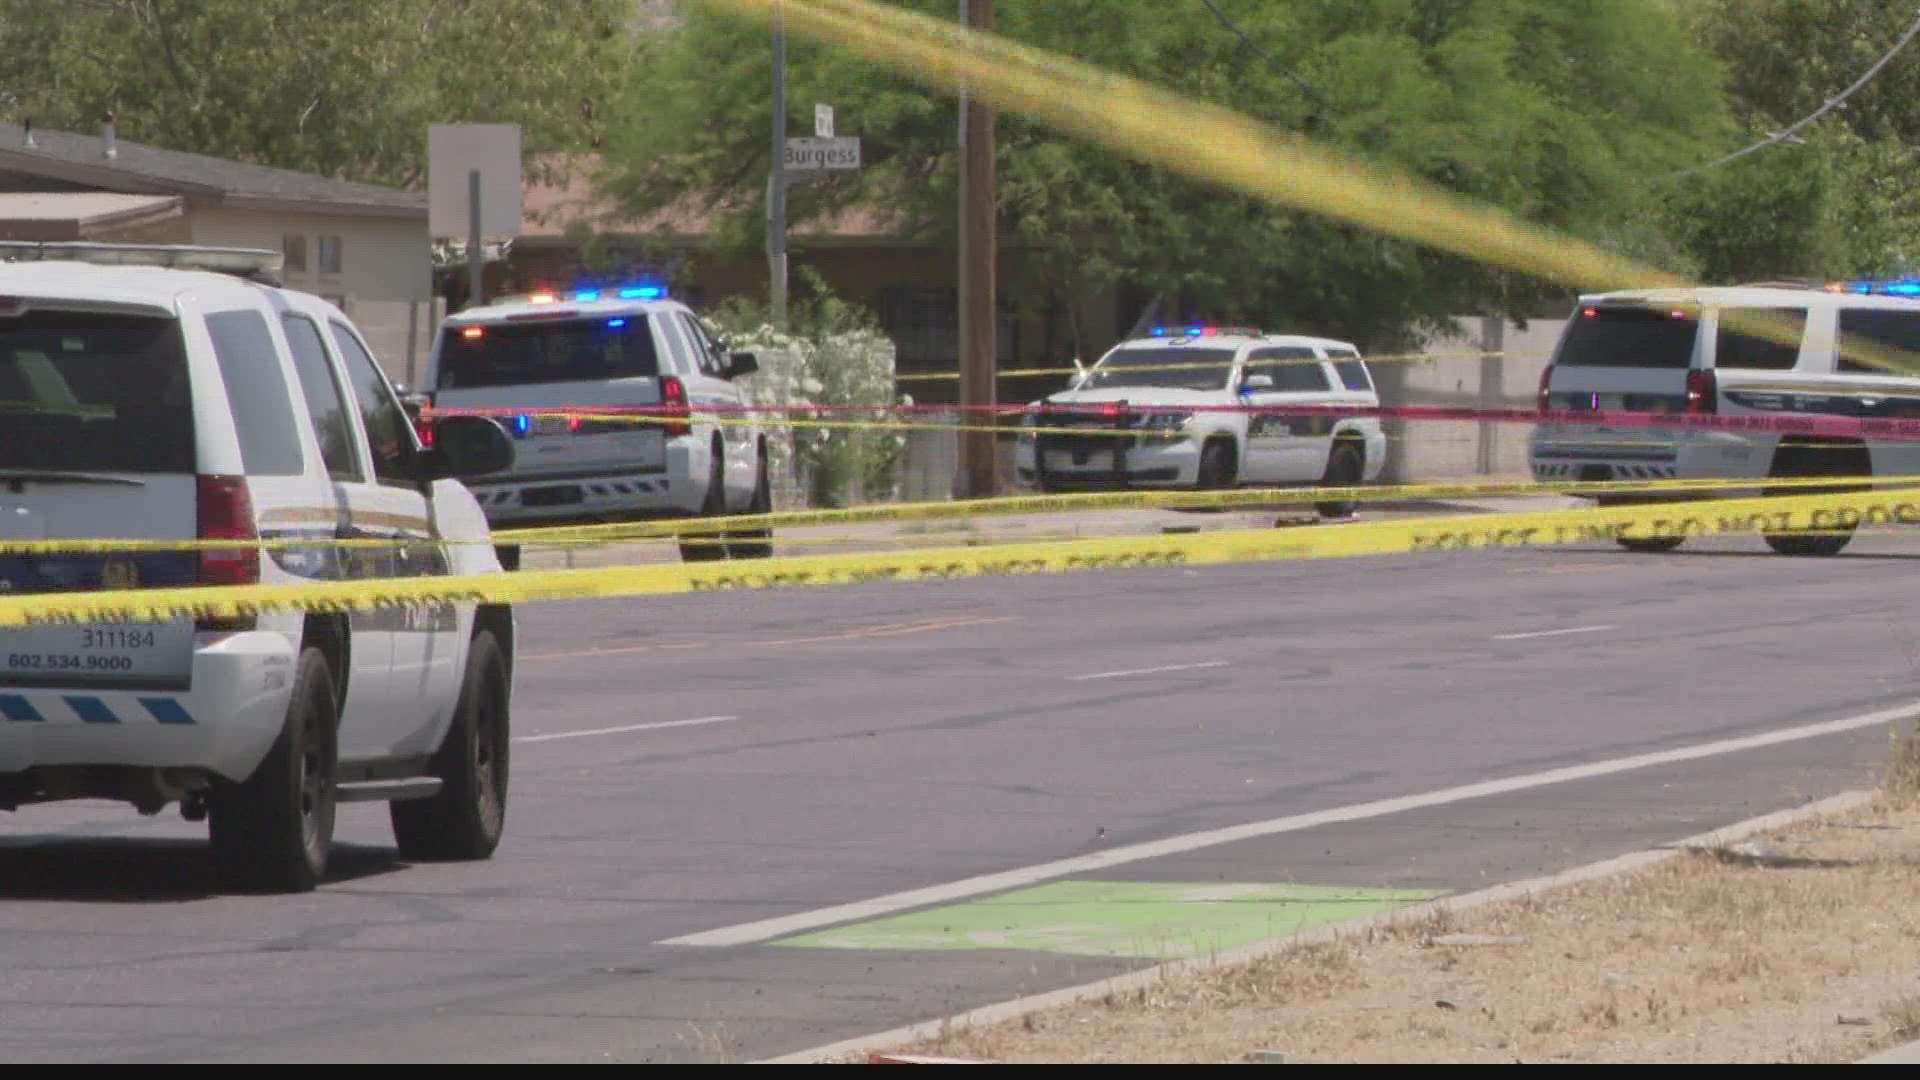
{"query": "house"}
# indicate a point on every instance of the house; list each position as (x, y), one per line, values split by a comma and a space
(362, 246)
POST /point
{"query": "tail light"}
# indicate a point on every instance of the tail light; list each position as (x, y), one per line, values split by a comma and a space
(423, 427)
(1703, 393)
(673, 394)
(1546, 396)
(226, 513)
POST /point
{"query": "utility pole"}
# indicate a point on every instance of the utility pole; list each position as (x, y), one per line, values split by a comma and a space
(979, 248)
(777, 179)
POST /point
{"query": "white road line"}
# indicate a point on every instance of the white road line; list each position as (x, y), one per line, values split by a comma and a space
(768, 929)
(1551, 633)
(1149, 671)
(625, 729)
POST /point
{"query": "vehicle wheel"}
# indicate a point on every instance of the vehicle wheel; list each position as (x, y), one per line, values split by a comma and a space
(1653, 545)
(509, 556)
(1792, 461)
(465, 819)
(1345, 467)
(1216, 466)
(710, 546)
(755, 543)
(274, 832)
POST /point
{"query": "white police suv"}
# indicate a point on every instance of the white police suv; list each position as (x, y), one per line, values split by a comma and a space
(1847, 349)
(597, 347)
(1136, 418)
(179, 394)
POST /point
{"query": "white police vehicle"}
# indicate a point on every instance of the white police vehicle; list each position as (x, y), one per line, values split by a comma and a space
(1847, 349)
(599, 347)
(178, 394)
(1150, 393)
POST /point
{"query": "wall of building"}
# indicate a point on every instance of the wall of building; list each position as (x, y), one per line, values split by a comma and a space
(377, 269)
(1448, 450)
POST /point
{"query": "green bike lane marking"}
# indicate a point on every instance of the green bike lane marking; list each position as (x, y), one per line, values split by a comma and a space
(1152, 920)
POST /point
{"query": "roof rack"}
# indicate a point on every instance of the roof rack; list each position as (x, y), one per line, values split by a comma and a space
(254, 264)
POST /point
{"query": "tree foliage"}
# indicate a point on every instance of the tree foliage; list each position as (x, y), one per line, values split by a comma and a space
(1548, 110)
(345, 88)
(1834, 201)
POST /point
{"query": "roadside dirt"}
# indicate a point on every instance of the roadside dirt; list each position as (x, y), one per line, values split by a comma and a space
(1801, 946)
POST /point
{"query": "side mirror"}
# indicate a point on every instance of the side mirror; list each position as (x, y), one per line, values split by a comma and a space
(466, 446)
(743, 363)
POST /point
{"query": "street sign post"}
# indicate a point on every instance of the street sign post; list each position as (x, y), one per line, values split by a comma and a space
(823, 121)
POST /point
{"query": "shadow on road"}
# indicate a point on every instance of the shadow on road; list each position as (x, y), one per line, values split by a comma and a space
(117, 870)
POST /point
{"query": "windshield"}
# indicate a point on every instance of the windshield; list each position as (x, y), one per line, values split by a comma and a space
(1185, 369)
(89, 392)
(521, 354)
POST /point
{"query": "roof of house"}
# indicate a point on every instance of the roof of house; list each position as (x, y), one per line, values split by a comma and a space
(548, 210)
(74, 214)
(137, 168)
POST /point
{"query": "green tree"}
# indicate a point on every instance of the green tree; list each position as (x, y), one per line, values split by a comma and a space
(345, 88)
(1833, 200)
(1551, 111)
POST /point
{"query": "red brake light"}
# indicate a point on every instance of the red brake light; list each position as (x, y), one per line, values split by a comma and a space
(1546, 398)
(225, 512)
(1703, 393)
(673, 394)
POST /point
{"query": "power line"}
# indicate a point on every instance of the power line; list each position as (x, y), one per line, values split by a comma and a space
(1264, 55)
(1830, 105)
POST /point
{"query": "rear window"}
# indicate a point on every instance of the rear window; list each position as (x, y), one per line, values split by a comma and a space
(1186, 369)
(523, 354)
(1879, 341)
(93, 392)
(1762, 339)
(1629, 337)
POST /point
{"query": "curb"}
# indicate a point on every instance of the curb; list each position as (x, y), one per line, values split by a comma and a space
(881, 1042)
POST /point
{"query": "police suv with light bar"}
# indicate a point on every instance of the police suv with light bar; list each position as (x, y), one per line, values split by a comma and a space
(1847, 349)
(1131, 419)
(177, 394)
(608, 348)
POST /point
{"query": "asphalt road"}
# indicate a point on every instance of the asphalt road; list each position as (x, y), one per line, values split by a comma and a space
(783, 753)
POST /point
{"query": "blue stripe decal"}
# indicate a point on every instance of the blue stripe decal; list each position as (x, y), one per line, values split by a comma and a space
(167, 710)
(15, 707)
(93, 710)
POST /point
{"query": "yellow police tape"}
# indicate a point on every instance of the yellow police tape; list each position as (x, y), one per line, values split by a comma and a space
(1239, 498)
(1244, 498)
(1539, 528)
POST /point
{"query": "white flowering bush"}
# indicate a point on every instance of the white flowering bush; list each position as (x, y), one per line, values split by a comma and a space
(830, 358)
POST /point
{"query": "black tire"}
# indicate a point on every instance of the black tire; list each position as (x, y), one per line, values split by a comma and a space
(1793, 461)
(755, 543)
(1345, 466)
(465, 820)
(712, 546)
(1817, 545)
(1652, 545)
(1217, 467)
(509, 556)
(274, 832)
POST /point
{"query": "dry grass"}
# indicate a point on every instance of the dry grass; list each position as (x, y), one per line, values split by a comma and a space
(1902, 783)
(1702, 957)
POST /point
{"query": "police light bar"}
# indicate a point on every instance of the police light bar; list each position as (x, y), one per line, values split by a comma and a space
(1205, 331)
(1898, 287)
(254, 264)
